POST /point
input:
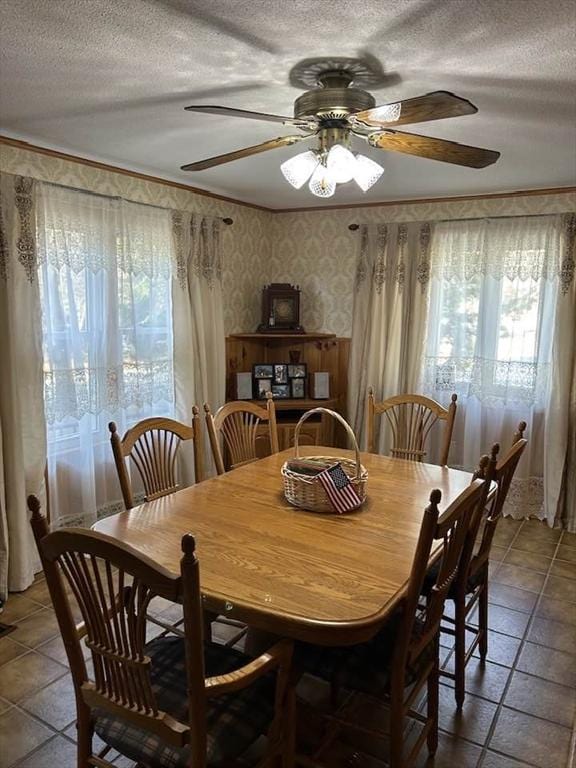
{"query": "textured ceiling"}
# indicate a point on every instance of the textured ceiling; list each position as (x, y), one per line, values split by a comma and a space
(108, 79)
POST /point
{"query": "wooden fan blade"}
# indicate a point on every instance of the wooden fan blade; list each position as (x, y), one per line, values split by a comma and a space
(432, 106)
(282, 141)
(434, 149)
(230, 112)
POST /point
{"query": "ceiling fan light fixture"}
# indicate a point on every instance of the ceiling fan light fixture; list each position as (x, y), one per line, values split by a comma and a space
(298, 169)
(322, 183)
(367, 172)
(341, 164)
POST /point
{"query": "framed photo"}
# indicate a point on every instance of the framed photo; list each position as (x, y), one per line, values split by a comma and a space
(281, 374)
(263, 371)
(297, 371)
(264, 386)
(297, 387)
(281, 391)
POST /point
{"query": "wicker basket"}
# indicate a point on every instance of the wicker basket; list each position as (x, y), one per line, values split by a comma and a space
(306, 491)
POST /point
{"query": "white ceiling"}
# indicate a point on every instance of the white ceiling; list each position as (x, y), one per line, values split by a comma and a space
(108, 79)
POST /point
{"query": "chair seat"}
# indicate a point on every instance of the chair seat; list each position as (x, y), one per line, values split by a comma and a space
(473, 582)
(365, 668)
(234, 721)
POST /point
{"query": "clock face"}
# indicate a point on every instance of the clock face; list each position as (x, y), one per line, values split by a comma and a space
(283, 310)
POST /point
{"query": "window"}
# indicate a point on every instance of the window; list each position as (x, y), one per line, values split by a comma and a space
(107, 335)
(492, 308)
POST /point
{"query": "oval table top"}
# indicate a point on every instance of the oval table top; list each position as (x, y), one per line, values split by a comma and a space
(328, 579)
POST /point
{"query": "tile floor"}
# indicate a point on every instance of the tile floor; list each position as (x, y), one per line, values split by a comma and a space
(519, 711)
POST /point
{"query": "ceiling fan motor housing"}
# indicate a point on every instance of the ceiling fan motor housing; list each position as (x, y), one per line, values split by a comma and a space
(334, 99)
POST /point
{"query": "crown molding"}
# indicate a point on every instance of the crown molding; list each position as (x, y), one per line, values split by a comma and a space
(20, 144)
(419, 201)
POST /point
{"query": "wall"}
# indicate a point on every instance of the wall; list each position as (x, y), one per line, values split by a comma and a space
(313, 249)
(317, 251)
(246, 242)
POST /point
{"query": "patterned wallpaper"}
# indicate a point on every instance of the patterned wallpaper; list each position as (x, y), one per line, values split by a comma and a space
(317, 251)
(246, 242)
(314, 249)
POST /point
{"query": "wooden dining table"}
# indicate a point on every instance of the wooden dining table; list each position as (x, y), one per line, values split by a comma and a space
(325, 578)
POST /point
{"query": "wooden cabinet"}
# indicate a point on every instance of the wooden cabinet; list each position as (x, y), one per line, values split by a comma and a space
(320, 352)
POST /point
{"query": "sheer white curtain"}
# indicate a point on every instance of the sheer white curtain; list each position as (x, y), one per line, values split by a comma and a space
(490, 338)
(22, 432)
(107, 328)
(199, 340)
(389, 317)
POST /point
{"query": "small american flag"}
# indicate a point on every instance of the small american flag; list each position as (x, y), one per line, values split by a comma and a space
(339, 489)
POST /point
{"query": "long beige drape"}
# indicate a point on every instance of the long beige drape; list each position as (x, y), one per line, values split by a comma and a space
(560, 435)
(389, 316)
(198, 314)
(22, 427)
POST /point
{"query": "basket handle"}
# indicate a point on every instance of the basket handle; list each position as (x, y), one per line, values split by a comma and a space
(342, 421)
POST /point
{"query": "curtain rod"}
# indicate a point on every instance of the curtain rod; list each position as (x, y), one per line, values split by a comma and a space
(225, 220)
(354, 227)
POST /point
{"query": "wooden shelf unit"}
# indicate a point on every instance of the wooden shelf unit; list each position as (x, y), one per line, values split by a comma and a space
(320, 352)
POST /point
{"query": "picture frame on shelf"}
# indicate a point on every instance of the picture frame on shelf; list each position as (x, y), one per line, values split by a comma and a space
(263, 371)
(297, 371)
(264, 386)
(281, 391)
(281, 373)
(298, 389)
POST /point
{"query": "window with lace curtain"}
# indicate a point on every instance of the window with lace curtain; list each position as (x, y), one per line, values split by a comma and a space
(105, 279)
(493, 296)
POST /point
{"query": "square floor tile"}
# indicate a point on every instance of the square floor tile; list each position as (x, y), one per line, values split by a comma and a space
(511, 597)
(569, 539)
(541, 698)
(564, 569)
(451, 752)
(557, 610)
(55, 704)
(28, 674)
(553, 634)
(501, 648)
(36, 629)
(4, 705)
(531, 560)
(538, 529)
(507, 621)
(493, 760)
(523, 578)
(561, 588)
(530, 544)
(530, 739)
(472, 722)
(487, 681)
(547, 663)
(58, 752)
(566, 553)
(10, 650)
(497, 553)
(17, 607)
(19, 735)
(40, 593)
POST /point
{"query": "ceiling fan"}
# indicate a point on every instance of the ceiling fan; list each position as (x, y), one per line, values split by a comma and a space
(335, 111)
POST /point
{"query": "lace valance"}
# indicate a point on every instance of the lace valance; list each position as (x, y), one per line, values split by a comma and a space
(81, 231)
(519, 248)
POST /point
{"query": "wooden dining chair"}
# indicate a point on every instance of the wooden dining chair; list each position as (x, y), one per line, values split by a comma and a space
(152, 445)
(410, 418)
(403, 657)
(470, 588)
(170, 702)
(237, 424)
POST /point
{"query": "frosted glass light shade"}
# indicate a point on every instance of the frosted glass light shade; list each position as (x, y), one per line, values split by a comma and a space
(367, 172)
(322, 184)
(341, 163)
(298, 169)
